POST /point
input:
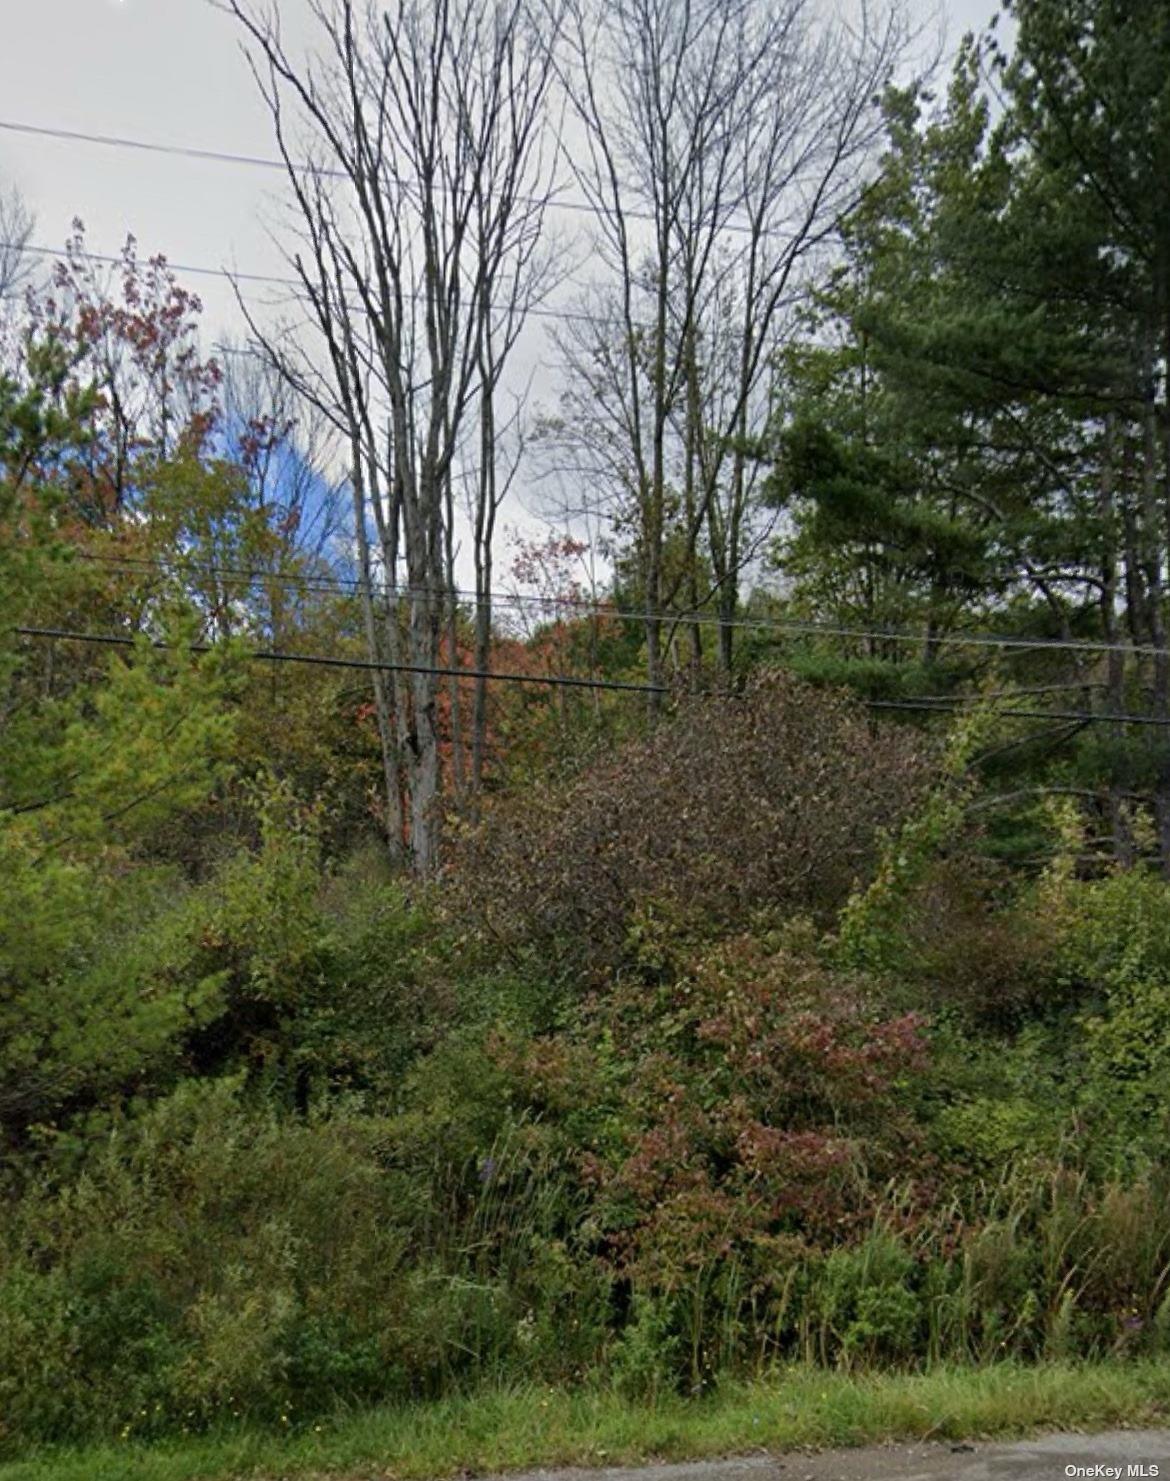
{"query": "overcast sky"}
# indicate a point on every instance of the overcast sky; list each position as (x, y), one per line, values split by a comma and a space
(171, 72)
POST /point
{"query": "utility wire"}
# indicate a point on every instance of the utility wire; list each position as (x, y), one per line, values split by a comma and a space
(353, 585)
(323, 660)
(1087, 716)
(150, 146)
(808, 628)
(261, 162)
(106, 259)
(269, 162)
(551, 681)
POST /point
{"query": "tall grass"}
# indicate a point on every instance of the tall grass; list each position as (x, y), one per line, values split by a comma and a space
(529, 1426)
(217, 1266)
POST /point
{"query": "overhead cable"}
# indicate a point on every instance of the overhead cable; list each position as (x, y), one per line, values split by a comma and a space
(594, 607)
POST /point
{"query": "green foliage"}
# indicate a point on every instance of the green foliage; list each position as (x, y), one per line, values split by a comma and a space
(862, 1304)
(216, 1260)
(1115, 956)
(645, 1359)
(87, 996)
(965, 440)
(737, 1153)
(741, 1042)
(872, 920)
(526, 1426)
(185, 1262)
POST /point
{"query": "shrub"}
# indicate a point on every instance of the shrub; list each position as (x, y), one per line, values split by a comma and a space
(774, 801)
(216, 1261)
(755, 1112)
(861, 1304)
(1113, 957)
(972, 945)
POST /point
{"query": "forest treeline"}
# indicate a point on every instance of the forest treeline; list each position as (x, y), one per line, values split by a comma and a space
(790, 985)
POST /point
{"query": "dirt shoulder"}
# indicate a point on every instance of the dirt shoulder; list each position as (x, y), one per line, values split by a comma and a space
(1119, 1455)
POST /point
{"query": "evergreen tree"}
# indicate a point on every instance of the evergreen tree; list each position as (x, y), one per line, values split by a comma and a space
(982, 443)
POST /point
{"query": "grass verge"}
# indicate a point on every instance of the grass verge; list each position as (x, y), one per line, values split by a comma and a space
(517, 1428)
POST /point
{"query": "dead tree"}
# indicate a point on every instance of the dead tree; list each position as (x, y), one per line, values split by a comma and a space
(16, 232)
(415, 142)
(722, 142)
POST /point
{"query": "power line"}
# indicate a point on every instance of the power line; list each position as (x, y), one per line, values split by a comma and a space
(1086, 716)
(105, 259)
(353, 585)
(108, 260)
(269, 162)
(150, 146)
(254, 161)
(322, 660)
(974, 640)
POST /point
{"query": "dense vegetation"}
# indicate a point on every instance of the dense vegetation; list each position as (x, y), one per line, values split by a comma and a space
(754, 1024)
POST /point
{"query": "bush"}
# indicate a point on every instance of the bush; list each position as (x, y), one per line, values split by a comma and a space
(364, 1155)
(215, 1261)
(973, 945)
(771, 802)
(191, 1255)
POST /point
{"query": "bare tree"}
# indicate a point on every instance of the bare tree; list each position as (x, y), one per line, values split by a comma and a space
(17, 225)
(289, 451)
(722, 142)
(414, 142)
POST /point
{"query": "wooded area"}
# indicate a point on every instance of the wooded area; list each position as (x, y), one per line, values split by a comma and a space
(729, 927)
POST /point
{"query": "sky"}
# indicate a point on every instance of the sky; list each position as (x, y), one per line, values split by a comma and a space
(172, 72)
(167, 71)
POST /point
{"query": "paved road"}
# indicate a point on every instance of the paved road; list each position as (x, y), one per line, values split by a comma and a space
(1125, 1455)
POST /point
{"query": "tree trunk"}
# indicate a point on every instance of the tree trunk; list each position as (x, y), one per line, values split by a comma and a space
(1152, 557)
(383, 692)
(1123, 849)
